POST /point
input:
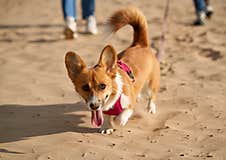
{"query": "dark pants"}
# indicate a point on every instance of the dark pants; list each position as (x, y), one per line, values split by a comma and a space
(200, 5)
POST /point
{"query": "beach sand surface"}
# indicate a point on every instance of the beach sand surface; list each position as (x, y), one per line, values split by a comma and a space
(42, 118)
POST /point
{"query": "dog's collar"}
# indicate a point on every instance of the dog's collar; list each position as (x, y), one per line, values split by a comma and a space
(117, 108)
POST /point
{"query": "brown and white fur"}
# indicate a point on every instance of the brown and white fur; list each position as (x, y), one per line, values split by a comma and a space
(101, 85)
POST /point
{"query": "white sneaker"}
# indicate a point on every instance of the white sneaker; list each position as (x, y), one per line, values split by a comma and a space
(201, 18)
(209, 8)
(209, 11)
(70, 31)
(91, 25)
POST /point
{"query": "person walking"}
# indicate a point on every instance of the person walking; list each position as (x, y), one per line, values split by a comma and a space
(203, 10)
(70, 17)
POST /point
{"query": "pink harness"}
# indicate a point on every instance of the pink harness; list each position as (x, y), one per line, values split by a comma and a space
(117, 108)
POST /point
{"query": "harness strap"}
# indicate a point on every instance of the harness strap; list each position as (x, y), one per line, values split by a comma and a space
(117, 108)
(124, 67)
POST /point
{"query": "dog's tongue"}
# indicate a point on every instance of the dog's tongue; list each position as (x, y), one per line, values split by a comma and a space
(97, 118)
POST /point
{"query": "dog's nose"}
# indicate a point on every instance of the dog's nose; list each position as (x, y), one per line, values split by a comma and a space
(94, 106)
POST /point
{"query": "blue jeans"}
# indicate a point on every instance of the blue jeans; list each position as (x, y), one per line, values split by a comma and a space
(200, 5)
(69, 8)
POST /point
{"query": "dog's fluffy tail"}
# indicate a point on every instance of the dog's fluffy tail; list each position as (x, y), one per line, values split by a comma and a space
(133, 16)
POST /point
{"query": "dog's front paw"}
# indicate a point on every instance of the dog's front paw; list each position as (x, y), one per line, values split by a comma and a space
(106, 130)
(120, 120)
(151, 107)
(123, 117)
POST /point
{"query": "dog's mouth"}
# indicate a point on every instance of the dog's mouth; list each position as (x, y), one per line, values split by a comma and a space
(97, 117)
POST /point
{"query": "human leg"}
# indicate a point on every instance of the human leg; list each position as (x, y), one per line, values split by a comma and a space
(88, 11)
(200, 8)
(88, 8)
(200, 5)
(69, 13)
(209, 9)
(69, 9)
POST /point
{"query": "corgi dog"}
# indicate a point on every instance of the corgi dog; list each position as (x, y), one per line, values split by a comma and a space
(110, 88)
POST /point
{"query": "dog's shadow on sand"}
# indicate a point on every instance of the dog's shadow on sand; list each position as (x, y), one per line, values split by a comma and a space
(18, 122)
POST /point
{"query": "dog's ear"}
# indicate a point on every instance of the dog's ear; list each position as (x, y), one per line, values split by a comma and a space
(74, 64)
(108, 58)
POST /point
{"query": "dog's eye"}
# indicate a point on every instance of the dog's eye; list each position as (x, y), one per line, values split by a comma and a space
(86, 88)
(102, 86)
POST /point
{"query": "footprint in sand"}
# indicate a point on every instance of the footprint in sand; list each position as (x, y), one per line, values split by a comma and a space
(211, 53)
(166, 68)
(187, 38)
(207, 76)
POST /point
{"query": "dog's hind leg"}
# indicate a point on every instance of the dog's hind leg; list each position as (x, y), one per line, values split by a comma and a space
(151, 102)
(139, 98)
(153, 88)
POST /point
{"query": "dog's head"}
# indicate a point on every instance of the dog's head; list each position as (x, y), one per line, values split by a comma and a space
(95, 85)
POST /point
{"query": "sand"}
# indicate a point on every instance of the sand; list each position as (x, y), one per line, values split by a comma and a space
(41, 117)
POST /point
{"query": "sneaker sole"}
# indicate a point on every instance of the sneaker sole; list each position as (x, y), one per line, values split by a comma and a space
(69, 34)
